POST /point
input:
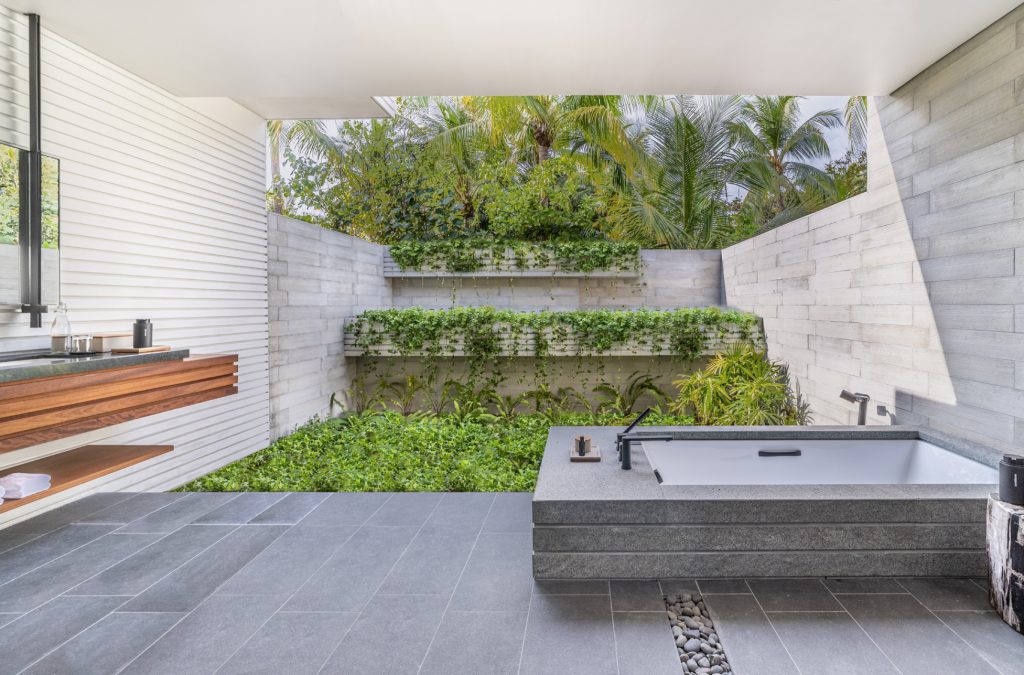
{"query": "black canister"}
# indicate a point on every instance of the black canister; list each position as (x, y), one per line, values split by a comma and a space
(1011, 480)
(143, 334)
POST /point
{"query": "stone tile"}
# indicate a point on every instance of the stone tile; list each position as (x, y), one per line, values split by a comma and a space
(44, 583)
(644, 644)
(499, 575)
(433, 562)
(510, 512)
(9, 541)
(241, 509)
(33, 635)
(138, 572)
(827, 642)
(296, 643)
(345, 508)
(179, 513)
(350, 577)
(913, 639)
(569, 634)
(8, 617)
(391, 636)
(723, 586)
(46, 548)
(106, 646)
(466, 510)
(946, 594)
(671, 588)
(570, 587)
(283, 566)
(133, 508)
(637, 596)
(863, 585)
(290, 510)
(185, 588)
(207, 637)
(477, 642)
(68, 513)
(793, 595)
(750, 642)
(988, 635)
(406, 508)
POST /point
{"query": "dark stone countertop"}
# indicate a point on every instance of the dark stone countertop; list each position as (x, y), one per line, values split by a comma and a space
(30, 365)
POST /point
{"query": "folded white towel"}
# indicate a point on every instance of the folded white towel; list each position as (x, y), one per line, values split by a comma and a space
(20, 485)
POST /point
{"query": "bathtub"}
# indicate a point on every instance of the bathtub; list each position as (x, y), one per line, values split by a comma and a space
(812, 462)
(740, 502)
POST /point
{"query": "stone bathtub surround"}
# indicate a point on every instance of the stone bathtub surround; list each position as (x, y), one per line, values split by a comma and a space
(596, 521)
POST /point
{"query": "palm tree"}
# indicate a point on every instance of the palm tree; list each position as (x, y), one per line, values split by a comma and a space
(677, 195)
(307, 137)
(855, 116)
(776, 152)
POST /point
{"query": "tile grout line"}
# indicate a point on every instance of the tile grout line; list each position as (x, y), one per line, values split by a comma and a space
(770, 624)
(858, 624)
(129, 597)
(383, 579)
(285, 602)
(950, 628)
(451, 597)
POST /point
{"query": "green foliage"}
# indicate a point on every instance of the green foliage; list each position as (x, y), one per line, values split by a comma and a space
(741, 387)
(555, 199)
(10, 198)
(390, 452)
(849, 174)
(470, 255)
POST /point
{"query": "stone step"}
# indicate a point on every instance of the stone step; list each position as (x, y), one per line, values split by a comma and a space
(972, 563)
(694, 538)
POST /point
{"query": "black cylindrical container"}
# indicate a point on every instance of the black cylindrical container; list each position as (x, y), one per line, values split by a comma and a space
(1011, 480)
(143, 334)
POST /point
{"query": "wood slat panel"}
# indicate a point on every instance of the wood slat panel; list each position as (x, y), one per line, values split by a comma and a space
(45, 385)
(92, 423)
(68, 469)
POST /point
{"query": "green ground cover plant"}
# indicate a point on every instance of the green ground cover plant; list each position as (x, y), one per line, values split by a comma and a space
(474, 254)
(390, 452)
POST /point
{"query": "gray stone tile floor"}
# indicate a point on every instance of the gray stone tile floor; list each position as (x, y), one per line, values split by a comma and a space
(424, 584)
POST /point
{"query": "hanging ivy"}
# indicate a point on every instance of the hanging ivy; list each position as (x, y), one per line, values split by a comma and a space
(473, 255)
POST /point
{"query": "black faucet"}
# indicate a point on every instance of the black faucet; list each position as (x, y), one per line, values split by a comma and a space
(861, 400)
(624, 440)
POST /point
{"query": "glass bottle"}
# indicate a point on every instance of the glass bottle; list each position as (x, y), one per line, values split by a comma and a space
(60, 332)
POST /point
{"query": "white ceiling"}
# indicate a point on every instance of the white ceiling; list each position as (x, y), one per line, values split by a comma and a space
(326, 58)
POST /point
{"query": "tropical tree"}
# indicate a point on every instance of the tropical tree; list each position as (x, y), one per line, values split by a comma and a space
(855, 117)
(775, 154)
(676, 196)
(306, 137)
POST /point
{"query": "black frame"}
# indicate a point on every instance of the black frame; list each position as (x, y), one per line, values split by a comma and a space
(30, 175)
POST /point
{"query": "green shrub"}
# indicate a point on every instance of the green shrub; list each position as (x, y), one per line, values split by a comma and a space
(741, 387)
(473, 254)
(388, 452)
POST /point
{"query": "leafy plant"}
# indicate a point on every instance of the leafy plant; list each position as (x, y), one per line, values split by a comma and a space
(741, 387)
(622, 400)
(474, 254)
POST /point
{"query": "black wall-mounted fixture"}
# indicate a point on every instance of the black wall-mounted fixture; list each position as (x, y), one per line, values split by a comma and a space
(30, 170)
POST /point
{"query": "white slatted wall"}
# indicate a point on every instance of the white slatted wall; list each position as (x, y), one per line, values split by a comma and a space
(162, 216)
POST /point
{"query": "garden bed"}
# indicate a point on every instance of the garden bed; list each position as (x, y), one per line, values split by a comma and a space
(482, 257)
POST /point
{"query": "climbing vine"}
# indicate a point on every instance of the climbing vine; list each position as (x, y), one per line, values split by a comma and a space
(473, 255)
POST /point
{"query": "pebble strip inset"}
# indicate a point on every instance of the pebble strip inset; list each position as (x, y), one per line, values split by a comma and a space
(697, 644)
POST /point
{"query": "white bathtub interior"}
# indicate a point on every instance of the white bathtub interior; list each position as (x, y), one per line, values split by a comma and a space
(825, 462)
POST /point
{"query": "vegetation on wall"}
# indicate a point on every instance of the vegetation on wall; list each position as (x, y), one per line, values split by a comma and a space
(653, 170)
(471, 255)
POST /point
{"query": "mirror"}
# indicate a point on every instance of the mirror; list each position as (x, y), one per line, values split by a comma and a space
(13, 247)
(10, 214)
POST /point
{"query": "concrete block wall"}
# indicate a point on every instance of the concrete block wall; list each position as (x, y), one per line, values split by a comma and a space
(914, 291)
(317, 278)
(669, 280)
